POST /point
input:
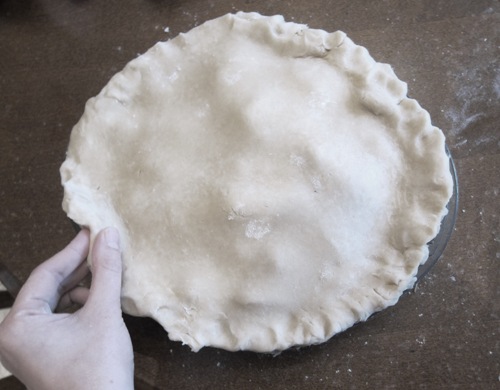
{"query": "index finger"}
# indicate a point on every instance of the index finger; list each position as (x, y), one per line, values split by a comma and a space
(51, 279)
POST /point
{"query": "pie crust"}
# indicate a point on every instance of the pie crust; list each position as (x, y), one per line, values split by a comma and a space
(272, 184)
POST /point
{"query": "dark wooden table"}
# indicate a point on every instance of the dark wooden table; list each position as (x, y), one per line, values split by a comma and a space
(54, 55)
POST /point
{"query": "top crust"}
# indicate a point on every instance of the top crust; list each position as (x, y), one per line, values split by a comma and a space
(272, 183)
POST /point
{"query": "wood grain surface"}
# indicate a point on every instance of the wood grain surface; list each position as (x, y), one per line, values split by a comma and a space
(54, 55)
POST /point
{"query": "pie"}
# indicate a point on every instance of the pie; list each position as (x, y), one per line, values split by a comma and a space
(272, 184)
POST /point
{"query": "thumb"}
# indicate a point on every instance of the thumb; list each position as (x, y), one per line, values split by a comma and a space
(106, 272)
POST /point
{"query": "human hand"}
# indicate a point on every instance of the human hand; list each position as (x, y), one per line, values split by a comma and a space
(87, 349)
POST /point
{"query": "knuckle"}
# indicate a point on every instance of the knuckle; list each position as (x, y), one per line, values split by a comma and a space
(109, 261)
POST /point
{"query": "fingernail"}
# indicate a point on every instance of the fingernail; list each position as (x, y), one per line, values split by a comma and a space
(112, 238)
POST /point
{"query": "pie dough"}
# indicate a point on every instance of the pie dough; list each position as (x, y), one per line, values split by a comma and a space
(272, 184)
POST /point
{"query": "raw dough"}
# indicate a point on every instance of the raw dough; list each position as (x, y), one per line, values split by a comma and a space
(273, 185)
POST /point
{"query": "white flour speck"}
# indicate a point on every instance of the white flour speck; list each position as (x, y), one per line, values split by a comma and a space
(257, 229)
